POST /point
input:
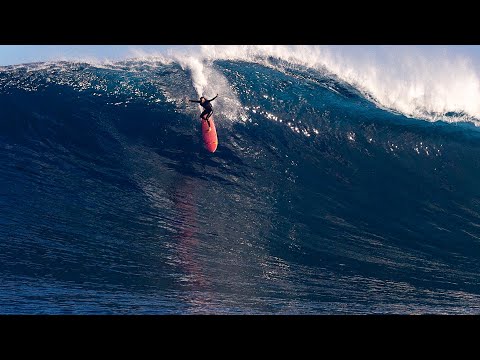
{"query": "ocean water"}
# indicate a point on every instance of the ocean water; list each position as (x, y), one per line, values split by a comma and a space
(324, 196)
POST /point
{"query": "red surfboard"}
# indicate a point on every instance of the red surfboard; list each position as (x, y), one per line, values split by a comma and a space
(210, 139)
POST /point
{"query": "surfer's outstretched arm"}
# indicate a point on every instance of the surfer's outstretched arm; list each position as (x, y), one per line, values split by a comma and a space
(213, 98)
(197, 101)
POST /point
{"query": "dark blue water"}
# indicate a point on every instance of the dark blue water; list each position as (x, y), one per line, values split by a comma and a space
(316, 201)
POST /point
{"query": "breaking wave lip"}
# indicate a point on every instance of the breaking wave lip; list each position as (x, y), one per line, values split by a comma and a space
(401, 79)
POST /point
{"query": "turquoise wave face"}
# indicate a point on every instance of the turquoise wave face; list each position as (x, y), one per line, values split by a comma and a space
(316, 200)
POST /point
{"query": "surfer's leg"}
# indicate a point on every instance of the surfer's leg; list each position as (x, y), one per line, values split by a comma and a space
(208, 121)
(203, 117)
(204, 112)
(208, 113)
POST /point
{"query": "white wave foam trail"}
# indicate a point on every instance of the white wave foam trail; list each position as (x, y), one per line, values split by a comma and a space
(424, 83)
(205, 79)
(199, 78)
(208, 82)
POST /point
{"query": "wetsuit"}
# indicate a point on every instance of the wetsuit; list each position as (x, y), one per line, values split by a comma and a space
(207, 106)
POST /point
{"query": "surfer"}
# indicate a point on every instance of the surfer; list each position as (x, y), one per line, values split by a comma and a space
(208, 108)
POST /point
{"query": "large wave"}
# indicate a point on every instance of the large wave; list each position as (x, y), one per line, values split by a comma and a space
(318, 198)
